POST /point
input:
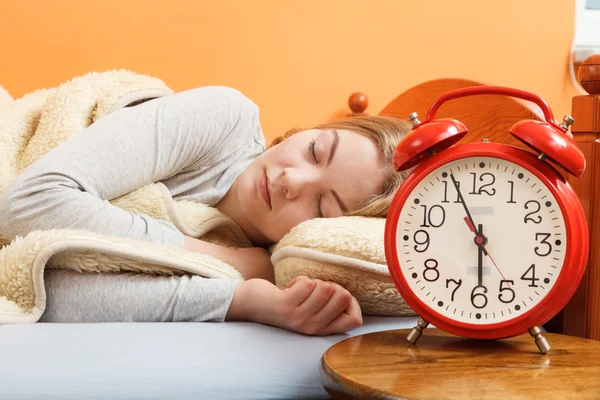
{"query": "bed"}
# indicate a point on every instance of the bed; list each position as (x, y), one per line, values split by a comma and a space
(248, 360)
(166, 361)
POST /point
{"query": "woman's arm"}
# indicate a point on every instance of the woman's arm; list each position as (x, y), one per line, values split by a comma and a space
(120, 297)
(129, 297)
(254, 262)
(308, 306)
(123, 151)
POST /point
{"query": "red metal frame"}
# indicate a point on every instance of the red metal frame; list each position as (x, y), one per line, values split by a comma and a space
(433, 136)
(575, 257)
(478, 90)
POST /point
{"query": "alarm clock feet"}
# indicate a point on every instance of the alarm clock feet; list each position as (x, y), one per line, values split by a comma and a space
(540, 340)
(417, 331)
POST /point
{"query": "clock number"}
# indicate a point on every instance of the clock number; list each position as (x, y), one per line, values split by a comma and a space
(544, 241)
(431, 274)
(457, 283)
(537, 207)
(507, 288)
(512, 190)
(427, 216)
(533, 279)
(482, 297)
(482, 188)
(424, 242)
(446, 193)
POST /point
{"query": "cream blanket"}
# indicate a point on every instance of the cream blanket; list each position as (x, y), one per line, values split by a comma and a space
(38, 122)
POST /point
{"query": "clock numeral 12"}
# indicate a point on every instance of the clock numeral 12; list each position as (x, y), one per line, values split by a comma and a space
(482, 187)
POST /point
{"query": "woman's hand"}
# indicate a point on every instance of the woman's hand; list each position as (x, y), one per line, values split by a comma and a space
(309, 306)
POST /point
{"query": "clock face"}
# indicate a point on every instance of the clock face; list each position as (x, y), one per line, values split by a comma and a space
(494, 265)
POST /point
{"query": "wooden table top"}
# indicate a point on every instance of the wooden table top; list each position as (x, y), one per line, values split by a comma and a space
(385, 365)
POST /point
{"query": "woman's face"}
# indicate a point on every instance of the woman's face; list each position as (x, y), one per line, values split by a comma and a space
(314, 173)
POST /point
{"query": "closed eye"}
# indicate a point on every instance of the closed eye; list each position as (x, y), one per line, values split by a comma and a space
(311, 149)
(319, 211)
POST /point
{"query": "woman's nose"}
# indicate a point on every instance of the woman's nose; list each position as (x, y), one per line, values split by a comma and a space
(295, 182)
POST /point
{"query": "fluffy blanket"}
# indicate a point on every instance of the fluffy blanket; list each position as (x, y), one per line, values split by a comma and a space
(38, 122)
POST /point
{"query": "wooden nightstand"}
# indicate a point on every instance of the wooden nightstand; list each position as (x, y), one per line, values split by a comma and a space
(385, 365)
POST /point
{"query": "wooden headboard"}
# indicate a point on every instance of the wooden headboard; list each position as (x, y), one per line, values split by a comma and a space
(581, 317)
(478, 113)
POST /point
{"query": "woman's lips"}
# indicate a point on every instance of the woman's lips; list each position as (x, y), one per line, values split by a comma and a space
(264, 188)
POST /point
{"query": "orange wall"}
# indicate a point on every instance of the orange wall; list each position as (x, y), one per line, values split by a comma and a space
(297, 59)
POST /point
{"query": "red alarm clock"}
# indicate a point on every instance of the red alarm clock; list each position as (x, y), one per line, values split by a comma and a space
(486, 240)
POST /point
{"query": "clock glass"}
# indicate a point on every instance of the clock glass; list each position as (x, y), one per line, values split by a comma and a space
(481, 240)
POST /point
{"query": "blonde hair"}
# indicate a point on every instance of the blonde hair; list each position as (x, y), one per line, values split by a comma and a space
(386, 133)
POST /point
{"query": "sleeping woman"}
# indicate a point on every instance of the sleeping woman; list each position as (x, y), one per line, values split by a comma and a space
(205, 145)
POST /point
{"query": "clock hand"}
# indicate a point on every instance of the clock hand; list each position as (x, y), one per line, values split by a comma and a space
(469, 218)
(493, 262)
(479, 257)
(481, 240)
(479, 237)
